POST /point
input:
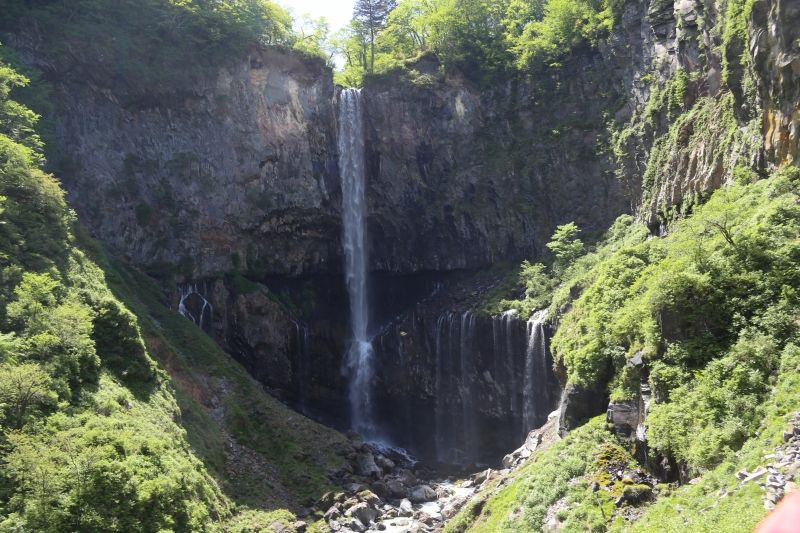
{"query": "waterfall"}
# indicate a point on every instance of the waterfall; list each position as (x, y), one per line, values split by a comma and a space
(455, 348)
(535, 377)
(468, 411)
(206, 309)
(303, 364)
(440, 376)
(351, 167)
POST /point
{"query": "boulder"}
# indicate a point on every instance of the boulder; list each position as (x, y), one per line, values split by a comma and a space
(382, 489)
(422, 493)
(406, 509)
(333, 513)
(397, 488)
(579, 404)
(365, 465)
(370, 497)
(364, 512)
(354, 524)
(386, 464)
(624, 415)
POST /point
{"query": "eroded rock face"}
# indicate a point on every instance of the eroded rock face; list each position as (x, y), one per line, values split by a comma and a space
(775, 49)
(579, 404)
(461, 176)
(236, 172)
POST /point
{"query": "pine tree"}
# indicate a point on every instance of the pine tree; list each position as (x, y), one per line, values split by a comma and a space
(372, 14)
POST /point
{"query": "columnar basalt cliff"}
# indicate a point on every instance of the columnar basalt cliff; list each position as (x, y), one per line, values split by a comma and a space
(774, 44)
(236, 173)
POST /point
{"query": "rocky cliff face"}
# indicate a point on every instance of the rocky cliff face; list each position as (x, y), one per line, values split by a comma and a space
(239, 172)
(462, 176)
(774, 45)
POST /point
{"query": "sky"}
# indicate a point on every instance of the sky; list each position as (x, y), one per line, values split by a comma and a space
(337, 12)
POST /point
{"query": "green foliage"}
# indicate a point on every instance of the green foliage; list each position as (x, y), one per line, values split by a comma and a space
(116, 470)
(16, 121)
(26, 391)
(481, 39)
(313, 38)
(149, 44)
(709, 306)
(119, 343)
(712, 416)
(564, 25)
(566, 246)
(720, 501)
(251, 521)
(562, 472)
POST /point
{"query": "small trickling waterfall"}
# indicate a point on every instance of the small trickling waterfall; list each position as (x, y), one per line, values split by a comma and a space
(456, 351)
(468, 372)
(492, 383)
(354, 206)
(302, 365)
(505, 337)
(199, 316)
(535, 372)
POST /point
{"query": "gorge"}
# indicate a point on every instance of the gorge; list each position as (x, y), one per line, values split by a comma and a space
(514, 266)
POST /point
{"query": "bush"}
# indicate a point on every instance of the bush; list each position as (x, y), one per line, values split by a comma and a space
(117, 340)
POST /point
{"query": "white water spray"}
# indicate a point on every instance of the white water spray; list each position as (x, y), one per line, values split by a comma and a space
(354, 208)
(187, 291)
(535, 369)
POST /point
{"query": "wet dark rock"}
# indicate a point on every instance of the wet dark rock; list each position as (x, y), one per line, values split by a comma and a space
(366, 466)
(397, 488)
(422, 493)
(363, 511)
(579, 404)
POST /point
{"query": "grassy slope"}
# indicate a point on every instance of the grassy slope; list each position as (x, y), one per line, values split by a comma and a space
(219, 401)
(718, 502)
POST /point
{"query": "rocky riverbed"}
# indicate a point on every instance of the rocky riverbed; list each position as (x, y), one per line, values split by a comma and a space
(778, 477)
(385, 489)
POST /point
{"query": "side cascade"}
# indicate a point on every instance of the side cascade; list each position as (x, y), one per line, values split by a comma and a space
(493, 382)
(535, 394)
(454, 344)
(302, 364)
(358, 362)
(198, 311)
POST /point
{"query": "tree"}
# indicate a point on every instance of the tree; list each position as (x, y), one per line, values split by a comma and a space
(313, 38)
(23, 390)
(566, 246)
(372, 15)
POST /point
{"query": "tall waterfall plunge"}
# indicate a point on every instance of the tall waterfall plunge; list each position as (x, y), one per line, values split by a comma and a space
(354, 209)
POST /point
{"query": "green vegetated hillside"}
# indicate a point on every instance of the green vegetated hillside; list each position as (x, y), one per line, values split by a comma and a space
(706, 315)
(109, 422)
(713, 309)
(146, 45)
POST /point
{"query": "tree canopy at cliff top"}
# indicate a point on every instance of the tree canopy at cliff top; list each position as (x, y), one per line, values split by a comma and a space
(479, 37)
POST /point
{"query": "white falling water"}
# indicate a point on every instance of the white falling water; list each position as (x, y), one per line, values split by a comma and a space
(535, 368)
(187, 291)
(354, 207)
